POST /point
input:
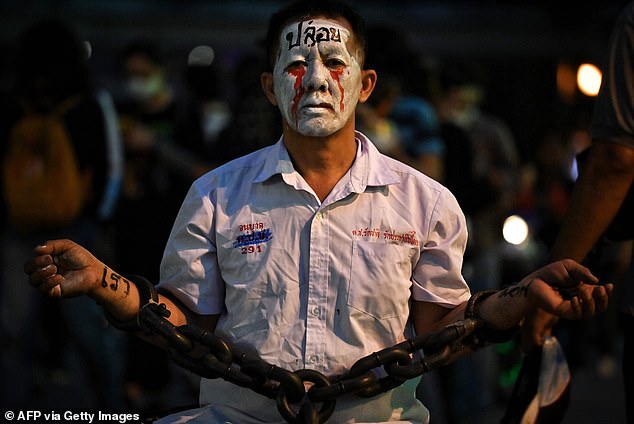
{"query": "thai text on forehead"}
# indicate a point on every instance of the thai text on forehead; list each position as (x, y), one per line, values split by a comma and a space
(311, 35)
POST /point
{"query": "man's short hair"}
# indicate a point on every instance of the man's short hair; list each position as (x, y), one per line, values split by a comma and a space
(304, 9)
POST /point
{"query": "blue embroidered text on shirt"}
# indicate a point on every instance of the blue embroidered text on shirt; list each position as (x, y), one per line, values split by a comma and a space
(255, 237)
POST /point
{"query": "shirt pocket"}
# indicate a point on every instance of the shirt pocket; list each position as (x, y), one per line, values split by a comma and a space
(244, 247)
(380, 274)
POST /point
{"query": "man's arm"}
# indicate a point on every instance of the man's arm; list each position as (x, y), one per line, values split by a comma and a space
(607, 174)
(597, 196)
(62, 268)
(603, 184)
(507, 308)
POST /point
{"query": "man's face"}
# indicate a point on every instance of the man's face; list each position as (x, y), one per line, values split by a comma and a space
(316, 76)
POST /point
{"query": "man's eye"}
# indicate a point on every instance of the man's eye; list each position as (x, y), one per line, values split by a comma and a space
(296, 65)
(334, 63)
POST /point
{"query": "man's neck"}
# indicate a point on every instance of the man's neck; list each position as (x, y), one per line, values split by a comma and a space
(322, 161)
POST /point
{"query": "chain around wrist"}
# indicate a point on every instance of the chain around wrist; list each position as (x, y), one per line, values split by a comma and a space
(148, 296)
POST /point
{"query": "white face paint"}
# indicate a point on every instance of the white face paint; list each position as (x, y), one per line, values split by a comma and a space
(317, 80)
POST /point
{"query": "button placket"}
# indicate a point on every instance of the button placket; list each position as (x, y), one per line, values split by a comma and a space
(317, 290)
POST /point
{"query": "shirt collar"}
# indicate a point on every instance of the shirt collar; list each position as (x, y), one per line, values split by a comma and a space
(276, 162)
(370, 167)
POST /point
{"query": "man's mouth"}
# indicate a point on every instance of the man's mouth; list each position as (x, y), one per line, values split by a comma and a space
(317, 106)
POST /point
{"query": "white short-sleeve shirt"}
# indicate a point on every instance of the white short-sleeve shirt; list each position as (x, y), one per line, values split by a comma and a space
(310, 284)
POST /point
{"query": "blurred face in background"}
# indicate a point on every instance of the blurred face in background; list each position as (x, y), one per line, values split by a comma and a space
(144, 79)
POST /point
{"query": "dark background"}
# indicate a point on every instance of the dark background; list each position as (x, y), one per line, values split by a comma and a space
(517, 46)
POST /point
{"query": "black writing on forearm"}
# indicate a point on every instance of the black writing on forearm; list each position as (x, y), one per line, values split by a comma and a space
(516, 290)
(116, 278)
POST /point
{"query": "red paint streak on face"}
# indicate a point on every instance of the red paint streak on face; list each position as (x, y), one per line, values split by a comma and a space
(335, 74)
(298, 73)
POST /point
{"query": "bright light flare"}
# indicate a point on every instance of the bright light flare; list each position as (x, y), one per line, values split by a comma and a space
(87, 46)
(201, 56)
(515, 230)
(589, 79)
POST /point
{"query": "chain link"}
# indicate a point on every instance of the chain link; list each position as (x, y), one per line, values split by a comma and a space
(204, 353)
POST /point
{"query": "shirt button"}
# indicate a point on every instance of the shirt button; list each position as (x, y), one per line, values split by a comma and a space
(315, 311)
(317, 216)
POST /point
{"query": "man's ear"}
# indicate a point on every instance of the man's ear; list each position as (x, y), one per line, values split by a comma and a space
(266, 79)
(368, 81)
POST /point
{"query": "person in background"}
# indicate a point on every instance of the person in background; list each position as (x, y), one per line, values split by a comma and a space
(52, 78)
(373, 118)
(317, 250)
(255, 123)
(206, 114)
(148, 116)
(480, 167)
(407, 120)
(598, 200)
(158, 170)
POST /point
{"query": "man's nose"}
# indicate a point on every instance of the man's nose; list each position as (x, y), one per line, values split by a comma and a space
(316, 78)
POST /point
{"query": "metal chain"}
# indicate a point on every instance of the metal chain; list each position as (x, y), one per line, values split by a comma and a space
(207, 355)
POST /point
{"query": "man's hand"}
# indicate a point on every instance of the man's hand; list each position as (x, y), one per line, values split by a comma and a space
(578, 284)
(568, 290)
(62, 268)
(538, 324)
(565, 289)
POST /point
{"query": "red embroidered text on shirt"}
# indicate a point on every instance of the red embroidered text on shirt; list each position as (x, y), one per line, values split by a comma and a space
(408, 237)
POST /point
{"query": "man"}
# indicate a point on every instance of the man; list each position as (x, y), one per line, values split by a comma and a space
(604, 182)
(318, 250)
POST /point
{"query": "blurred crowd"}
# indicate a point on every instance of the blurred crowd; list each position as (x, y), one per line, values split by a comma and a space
(142, 143)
